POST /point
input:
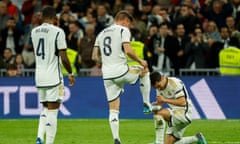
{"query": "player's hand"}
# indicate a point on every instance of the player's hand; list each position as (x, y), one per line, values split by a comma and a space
(144, 64)
(71, 80)
(160, 99)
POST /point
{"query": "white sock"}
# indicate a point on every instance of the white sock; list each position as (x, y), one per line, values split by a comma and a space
(42, 124)
(145, 87)
(187, 140)
(114, 123)
(160, 125)
(51, 126)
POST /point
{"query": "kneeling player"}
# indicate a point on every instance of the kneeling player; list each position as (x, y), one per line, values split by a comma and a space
(172, 91)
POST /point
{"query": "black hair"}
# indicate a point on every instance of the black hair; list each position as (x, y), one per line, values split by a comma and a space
(155, 77)
(48, 12)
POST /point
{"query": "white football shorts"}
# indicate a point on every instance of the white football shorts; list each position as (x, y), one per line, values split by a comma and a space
(114, 87)
(51, 94)
(179, 121)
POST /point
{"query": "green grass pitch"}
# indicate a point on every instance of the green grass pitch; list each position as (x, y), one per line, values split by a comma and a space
(97, 131)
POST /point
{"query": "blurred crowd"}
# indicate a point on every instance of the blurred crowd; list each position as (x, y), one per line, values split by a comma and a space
(175, 33)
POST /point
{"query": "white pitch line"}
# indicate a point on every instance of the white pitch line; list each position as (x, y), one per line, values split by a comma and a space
(218, 142)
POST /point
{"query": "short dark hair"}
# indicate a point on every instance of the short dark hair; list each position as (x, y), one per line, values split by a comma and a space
(123, 14)
(48, 12)
(155, 77)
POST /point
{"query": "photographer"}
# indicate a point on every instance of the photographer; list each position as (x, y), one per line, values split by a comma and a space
(196, 50)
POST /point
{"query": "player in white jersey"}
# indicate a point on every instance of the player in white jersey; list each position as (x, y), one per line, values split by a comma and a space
(50, 48)
(172, 91)
(111, 47)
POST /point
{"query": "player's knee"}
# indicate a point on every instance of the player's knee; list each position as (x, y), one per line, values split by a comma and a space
(159, 122)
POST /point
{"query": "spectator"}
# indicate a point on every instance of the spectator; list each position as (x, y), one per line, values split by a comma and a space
(30, 7)
(27, 53)
(130, 8)
(85, 19)
(196, 50)
(164, 48)
(148, 54)
(57, 5)
(19, 62)
(155, 18)
(12, 70)
(146, 10)
(65, 19)
(217, 46)
(164, 3)
(211, 32)
(104, 17)
(86, 47)
(231, 24)
(93, 19)
(4, 16)
(236, 9)
(216, 11)
(10, 37)
(118, 5)
(225, 36)
(14, 12)
(188, 18)
(66, 8)
(183, 39)
(8, 58)
(74, 36)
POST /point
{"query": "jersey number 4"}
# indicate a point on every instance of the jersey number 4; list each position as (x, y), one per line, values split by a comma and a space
(40, 48)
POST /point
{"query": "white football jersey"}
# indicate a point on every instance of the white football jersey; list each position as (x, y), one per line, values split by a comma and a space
(175, 89)
(47, 39)
(110, 41)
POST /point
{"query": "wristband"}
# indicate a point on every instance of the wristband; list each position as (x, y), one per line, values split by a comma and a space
(71, 74)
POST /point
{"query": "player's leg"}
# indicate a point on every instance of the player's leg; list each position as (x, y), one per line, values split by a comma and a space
(42, 124)
(42, 118)
(51, 122)
(145, 88)
(113, 91)
(187, 140)
(170, 139)
(114, 119)
(135, 73)
(159, 124)
(160, 118)
(177, 126)
(199, 138)
(54, 97)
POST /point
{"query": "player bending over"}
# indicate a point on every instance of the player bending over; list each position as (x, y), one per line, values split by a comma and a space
(172, 91)
(111, 47)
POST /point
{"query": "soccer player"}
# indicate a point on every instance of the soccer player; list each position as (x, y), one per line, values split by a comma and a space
(111, 47)
(49, 46)
(172, 91)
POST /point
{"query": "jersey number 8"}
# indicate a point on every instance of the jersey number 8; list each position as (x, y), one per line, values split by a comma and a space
(107, 46)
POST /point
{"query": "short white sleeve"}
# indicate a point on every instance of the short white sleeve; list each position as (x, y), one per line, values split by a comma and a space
(126, 35)
(61, 40)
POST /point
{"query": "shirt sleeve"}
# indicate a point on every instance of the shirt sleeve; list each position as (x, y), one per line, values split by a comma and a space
(126, 35)
(61, 40)
(96, 44)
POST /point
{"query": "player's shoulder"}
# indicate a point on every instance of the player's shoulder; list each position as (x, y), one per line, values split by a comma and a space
(174, 81)
(58, 29)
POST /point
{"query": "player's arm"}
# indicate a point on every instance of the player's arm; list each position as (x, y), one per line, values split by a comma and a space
(66, 64)
(96, 54)
(129, 51)
(180, 101)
